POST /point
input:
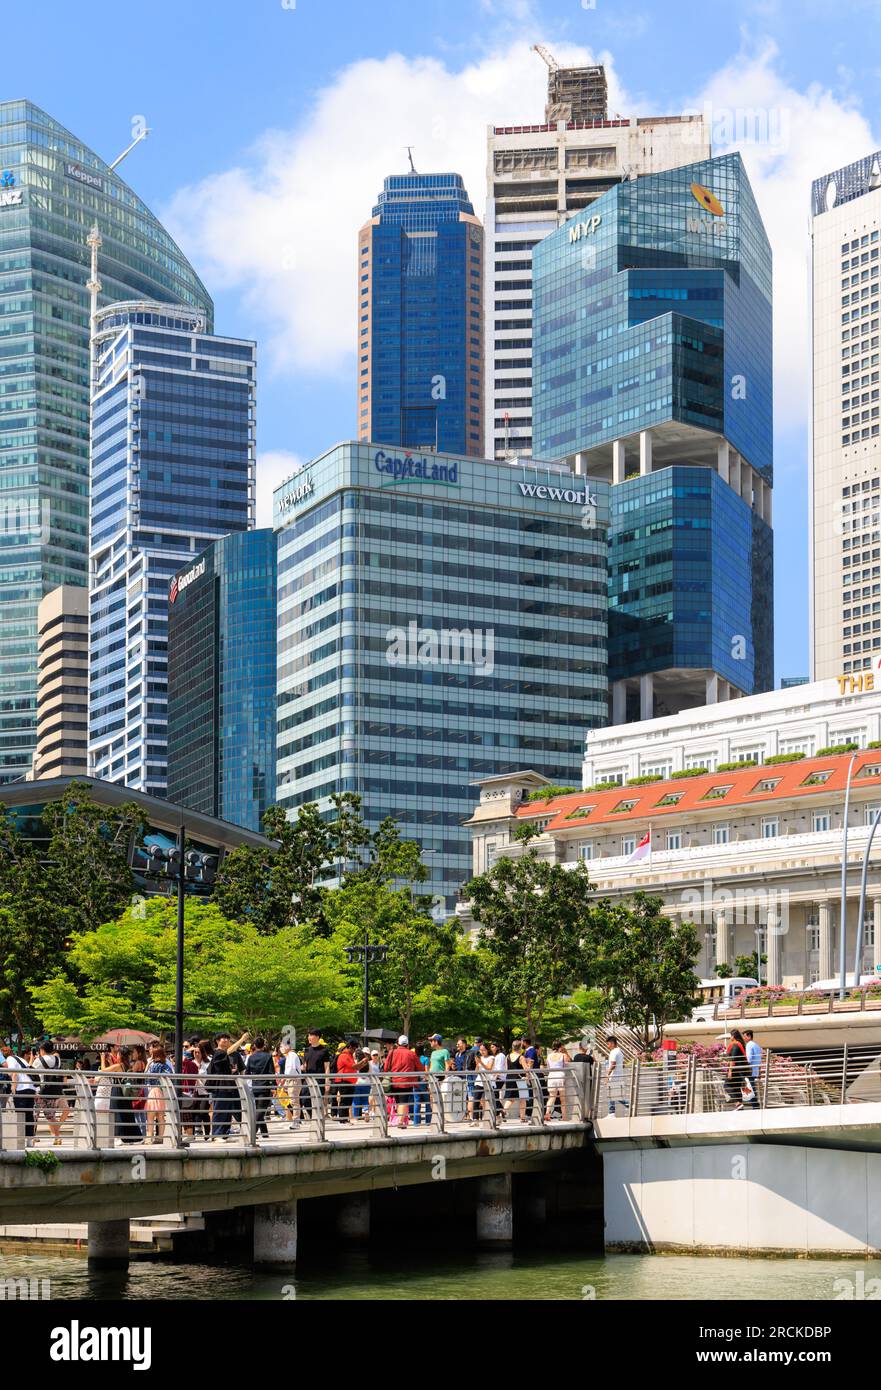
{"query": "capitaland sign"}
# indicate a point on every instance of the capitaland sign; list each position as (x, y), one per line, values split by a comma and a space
(546, 493)
(304, 489)
(10, 196)
(183, 581)
(578, 231)
(408, 469)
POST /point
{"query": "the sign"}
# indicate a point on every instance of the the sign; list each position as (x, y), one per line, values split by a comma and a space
(183, 581)
(301, 491)
(559, 494)
(579, 230)
(10, 196)
(859, 684)
(76, 171)
(415, 470)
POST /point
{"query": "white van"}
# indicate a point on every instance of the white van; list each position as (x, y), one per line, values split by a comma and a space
(725, 993)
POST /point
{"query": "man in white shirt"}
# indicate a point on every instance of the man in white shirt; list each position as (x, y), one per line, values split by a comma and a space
(293, 1070)
(24, 1091)
(754, 1057)
(615, 1077)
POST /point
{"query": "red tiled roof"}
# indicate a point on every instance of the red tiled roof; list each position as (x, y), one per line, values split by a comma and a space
(744, 791)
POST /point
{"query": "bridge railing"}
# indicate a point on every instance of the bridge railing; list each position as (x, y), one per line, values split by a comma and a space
(685, 1084)
(110, 1109)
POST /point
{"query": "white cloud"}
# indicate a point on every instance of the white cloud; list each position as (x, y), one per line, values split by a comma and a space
(282, 229)
(797, 136)
(273, 466)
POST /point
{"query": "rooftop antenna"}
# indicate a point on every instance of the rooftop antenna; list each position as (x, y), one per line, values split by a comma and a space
(409, 149)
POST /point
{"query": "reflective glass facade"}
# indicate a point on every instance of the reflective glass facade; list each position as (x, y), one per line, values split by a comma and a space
(53, 189)
(440, 619)
(420, 359)
(659, 311)
(221, 680)
(653, 368)
(172, 470)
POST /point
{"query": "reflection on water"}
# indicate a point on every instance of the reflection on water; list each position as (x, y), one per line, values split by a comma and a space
(530, 1275)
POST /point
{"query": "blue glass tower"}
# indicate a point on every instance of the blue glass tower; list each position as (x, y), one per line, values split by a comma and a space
(652, 353)
(52, 189)
(420, 317)
(221, 680)
(172, 470)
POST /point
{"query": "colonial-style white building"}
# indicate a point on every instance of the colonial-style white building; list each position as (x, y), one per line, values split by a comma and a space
(751, 853)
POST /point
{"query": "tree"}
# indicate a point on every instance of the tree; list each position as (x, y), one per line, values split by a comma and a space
(232, 975)
(535, 923)
(69, 880)
(647, 966)
(409, 983)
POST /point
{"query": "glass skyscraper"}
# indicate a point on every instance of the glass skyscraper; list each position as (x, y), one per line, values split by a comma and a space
(440, 619)
(653, 371)
(221, 680)
(52, 189)
(420, 317)
(172, 470)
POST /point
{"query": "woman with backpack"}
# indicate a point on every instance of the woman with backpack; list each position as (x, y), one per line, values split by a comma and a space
(156, 1099)
(51, 1104)
(738, 1068)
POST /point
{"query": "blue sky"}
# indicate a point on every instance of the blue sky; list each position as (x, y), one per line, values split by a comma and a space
(274, 122)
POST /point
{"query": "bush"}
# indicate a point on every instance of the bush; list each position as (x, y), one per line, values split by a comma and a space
(548, 793)
(604, 787)
(643, 781)
(875, 743)
(691, 772)
(736, 767)
(784, 758)
(837, 748)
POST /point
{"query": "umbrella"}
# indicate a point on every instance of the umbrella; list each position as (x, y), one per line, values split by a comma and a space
(380, 1035)
(125, 1037)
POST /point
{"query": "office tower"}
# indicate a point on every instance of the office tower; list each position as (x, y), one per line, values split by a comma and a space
(52, 189)
(420, 317)
(845, 490)
(62, 682)
(172, 470)
(653, 371)
(537, 176)
(439, 619)
(221, 679)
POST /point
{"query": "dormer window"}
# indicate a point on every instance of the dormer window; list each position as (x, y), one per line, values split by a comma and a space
(717, 793)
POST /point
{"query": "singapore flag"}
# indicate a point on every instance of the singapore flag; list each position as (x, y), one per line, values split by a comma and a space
(643, 849)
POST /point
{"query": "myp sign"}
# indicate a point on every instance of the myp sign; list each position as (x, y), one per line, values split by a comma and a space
(408, 468)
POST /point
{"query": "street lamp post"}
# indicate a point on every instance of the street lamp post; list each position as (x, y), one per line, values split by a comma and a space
(366, 955)
(842, 927)
(858, 950)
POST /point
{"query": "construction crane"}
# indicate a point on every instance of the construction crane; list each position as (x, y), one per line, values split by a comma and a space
(409, 149)
(549, 58)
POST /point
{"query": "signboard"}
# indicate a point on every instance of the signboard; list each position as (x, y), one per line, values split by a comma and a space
(81, 175)
(183, 581)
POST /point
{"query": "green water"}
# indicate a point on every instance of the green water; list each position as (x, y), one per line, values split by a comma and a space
(530, 1275)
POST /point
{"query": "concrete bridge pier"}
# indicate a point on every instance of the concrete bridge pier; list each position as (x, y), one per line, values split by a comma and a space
(353, 1219)
(495, 1212)
(275, 1234)
(108, 1244)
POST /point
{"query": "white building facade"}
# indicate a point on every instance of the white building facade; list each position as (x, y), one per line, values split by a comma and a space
(845, 491)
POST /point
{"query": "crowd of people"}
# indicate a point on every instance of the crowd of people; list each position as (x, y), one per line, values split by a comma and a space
(133, 1100)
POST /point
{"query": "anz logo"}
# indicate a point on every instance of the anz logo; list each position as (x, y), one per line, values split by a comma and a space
(10, 196)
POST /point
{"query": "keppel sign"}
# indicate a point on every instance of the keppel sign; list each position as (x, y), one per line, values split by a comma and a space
(183, 581)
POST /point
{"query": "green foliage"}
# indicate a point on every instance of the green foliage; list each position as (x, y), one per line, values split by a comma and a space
(748, 966)
(690, 772)
(783, 758)
(604, 787)
(723, 970)
(737, 767)
(78, 878)
(534, 920)
(838, 748)
(42, 1159)
(549, 793)
(644, 781)
(646, 966)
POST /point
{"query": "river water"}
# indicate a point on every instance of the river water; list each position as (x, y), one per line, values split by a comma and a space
(528, 1276)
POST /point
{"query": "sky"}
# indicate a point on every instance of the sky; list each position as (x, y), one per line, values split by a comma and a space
(274, 122)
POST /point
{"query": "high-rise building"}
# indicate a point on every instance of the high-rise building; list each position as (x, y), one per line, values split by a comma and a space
(172, 470)
(439, 619)
(537, 176)
(420, 317)
(52, 189)
(653, 371)
(62, 683)
(221, 679)
(845, 490)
